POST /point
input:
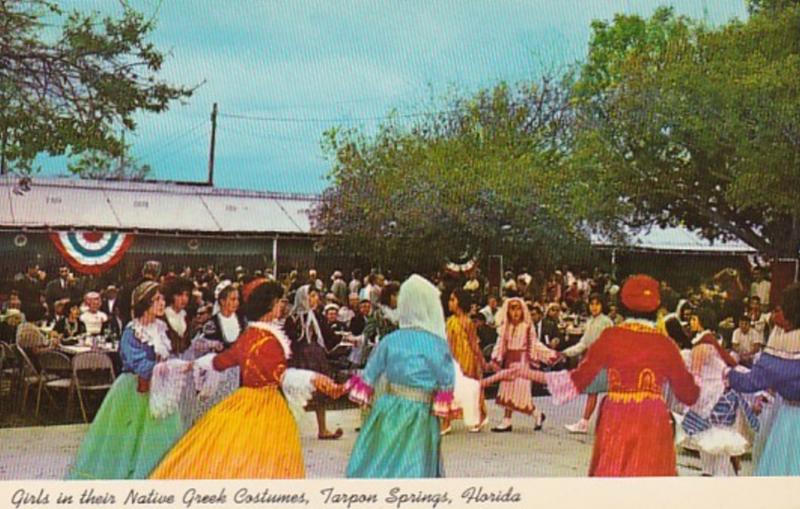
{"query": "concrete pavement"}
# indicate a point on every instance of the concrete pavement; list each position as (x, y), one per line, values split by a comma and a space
(46, 452)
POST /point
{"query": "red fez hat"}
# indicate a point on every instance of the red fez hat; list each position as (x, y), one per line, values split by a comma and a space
(640, 294)
(252, 285)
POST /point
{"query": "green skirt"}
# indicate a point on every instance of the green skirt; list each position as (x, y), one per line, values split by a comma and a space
(399, 439)
(125, 441)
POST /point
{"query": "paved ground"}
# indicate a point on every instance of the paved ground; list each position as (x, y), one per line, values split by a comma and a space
(46, 452)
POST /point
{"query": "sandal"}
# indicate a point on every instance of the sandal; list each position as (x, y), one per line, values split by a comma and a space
(446, 431)
(503, 429)
(331, 436)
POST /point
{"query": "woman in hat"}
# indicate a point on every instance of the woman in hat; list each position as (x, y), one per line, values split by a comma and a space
(251, 434)
(634, 434)
(138, 421)
(778, 370)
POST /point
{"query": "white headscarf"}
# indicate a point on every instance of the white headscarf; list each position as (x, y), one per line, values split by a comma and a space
(308, 319)
(419, 306)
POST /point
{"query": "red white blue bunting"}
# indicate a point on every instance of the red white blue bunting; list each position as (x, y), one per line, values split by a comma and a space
(92, 252)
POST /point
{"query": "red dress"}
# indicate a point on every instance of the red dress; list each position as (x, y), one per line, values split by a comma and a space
(634, 434)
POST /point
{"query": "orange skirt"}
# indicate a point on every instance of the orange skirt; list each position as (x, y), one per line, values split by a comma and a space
(249, 435)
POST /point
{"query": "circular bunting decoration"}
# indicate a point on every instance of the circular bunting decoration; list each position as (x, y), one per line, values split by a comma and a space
(92, 252)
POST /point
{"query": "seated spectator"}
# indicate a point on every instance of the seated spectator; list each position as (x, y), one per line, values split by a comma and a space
(70, 325)
(9, 322)
(746, 341)
(487, 335)
(96, 321)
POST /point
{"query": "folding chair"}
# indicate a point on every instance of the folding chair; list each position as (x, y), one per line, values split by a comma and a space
(9, 371)
(55, 372)
(29, 375)
(92, 371)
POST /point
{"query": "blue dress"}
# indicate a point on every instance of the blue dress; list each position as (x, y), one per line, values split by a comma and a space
(781, 455)
(400, 438)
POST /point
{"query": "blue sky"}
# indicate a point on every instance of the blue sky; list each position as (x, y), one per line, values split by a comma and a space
(313, 65)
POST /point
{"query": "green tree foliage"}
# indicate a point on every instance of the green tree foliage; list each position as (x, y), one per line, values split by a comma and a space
(70, 81)
(682, 124)
(479, 177)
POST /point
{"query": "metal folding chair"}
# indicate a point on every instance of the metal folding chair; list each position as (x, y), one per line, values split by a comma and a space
(55, 372)
(92, 371)
(29, 375)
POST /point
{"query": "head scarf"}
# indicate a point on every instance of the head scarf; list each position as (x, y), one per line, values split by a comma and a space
(307, 318)
(419, 306)
(505, 328)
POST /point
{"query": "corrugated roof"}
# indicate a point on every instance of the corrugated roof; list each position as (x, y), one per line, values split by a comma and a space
(59, 203)
(679, 240)
(72, 203)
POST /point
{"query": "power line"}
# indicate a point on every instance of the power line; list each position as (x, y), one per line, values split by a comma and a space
(311, 120)
(161, 148)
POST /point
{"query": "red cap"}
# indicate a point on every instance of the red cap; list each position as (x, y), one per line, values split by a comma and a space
(640, 294)
(252, 285)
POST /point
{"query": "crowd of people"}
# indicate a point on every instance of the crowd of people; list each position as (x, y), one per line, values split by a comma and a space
(712, 367)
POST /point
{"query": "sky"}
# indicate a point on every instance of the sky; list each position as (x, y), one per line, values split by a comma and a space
(305, 66)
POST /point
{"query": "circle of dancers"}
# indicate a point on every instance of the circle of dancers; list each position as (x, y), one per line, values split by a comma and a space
(221, 405)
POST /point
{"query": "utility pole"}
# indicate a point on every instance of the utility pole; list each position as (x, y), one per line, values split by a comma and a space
(213, 145)
(3, 168)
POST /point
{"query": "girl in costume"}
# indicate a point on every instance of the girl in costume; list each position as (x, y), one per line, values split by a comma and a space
(711, 422)
(462, 336)
(634, 435)
(251, 434)
(304, 329)
(138, 421)
(220, 333)
(516, 345)
(778, 369)
(595, 325)
(400, 438)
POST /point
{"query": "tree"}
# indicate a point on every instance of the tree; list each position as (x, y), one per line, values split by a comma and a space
(69, 89)
(681, 124)
(94, 164)
(478, 177)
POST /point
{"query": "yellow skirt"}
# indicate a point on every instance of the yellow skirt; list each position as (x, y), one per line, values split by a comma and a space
(249, 435)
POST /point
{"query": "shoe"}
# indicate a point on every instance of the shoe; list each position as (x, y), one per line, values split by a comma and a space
(581, 427)
(502, 429)
(336, 435)
(539, 421)
(479, 427)
(446, 431)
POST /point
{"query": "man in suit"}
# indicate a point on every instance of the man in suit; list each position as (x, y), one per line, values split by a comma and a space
(58, 288)
(111, 308)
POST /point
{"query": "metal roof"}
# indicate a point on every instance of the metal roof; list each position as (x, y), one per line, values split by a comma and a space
(58, 203)
(676, 240)
(64, 203)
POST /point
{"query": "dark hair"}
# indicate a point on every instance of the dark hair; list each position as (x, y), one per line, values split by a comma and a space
(223, 294)
(464, 299)
(176, 286)
(639, 315)
(387, 292)
(262, 299)
(479, 316)
(596, 296)
(707, 318)
(143, 305)
(754, 297)
(791, 304)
